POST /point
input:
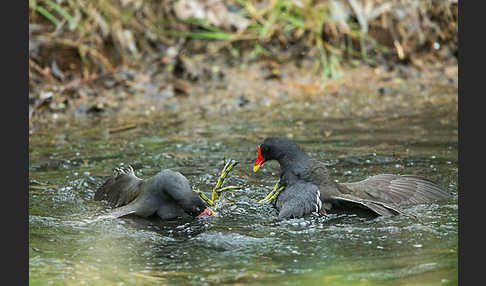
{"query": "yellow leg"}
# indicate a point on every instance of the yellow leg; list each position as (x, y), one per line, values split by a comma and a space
(275, 194)
(227, 168)
(217, 188)
(272, 195)
(204, 198)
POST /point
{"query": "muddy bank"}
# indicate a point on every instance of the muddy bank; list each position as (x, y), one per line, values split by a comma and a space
(138, 97)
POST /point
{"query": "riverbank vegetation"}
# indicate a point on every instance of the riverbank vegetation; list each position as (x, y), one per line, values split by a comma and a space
(73, 43)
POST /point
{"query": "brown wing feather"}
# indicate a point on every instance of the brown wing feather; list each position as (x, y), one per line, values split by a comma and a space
(396, 189)
(120, 188)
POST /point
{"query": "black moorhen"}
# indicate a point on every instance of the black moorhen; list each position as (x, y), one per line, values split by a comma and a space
(168, 194)
(308, 187)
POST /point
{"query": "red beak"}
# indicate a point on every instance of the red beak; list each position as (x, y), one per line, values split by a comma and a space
(259, 161)
(207, 211)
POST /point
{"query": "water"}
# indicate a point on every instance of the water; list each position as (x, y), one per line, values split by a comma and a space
(244, 244)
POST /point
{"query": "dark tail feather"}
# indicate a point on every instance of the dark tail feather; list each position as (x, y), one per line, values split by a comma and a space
(379, 208)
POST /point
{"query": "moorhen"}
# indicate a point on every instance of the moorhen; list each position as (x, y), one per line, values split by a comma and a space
(306, 186)
(168, 194)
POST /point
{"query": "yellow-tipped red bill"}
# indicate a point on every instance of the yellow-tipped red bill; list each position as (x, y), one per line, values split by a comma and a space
(259, 161)
(208, 212)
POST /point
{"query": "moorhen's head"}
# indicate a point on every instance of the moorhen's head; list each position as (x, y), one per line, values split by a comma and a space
(275, 148)
(198, 208)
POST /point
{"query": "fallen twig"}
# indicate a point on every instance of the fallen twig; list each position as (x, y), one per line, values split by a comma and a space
(44, 72)
(122, 128)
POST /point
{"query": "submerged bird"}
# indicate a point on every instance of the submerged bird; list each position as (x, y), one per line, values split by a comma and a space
(308, 187)
(167, 194)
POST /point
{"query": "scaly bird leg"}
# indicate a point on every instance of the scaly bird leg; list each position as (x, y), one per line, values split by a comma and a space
(218, 187)
(203, 197)
(272, 195)
(227, 168)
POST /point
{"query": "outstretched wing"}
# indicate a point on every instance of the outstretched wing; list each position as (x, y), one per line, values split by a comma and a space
(395, 189)
(120, 188)
(298, 200)
(380, 208)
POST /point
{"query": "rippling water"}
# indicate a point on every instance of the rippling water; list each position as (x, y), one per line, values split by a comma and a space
(244, 243)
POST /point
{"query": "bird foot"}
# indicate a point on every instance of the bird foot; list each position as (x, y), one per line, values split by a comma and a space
(218, 187)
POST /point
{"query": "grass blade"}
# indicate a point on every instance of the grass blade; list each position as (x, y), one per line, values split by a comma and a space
(48, 15)
(63, 13)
